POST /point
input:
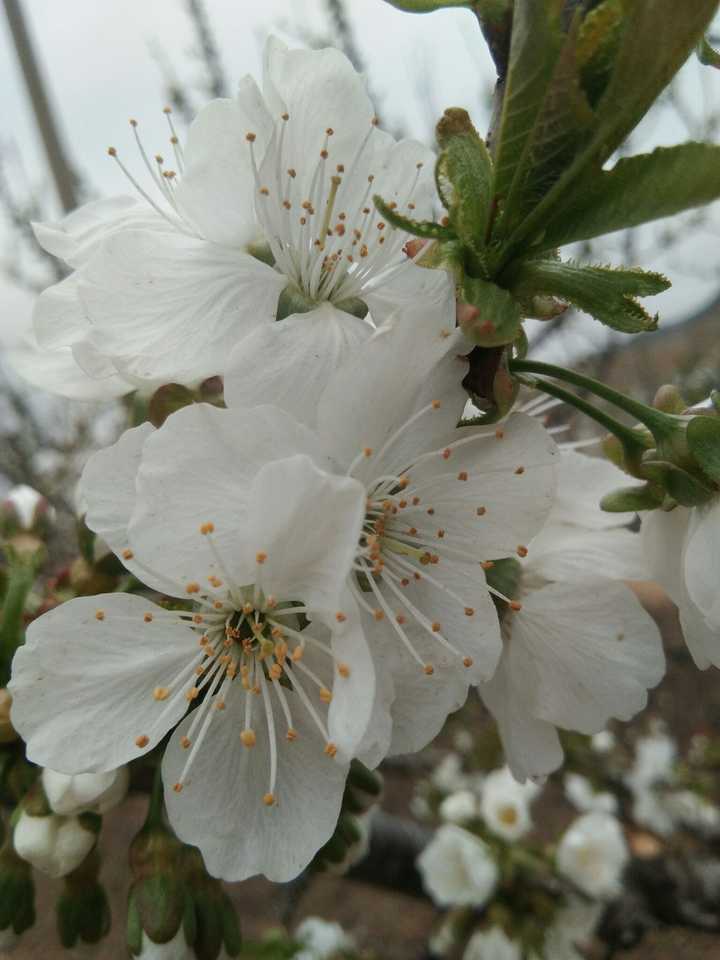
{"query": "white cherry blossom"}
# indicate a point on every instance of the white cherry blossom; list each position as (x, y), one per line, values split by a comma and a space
(459, 807)
(492, 944)
(581, 649)
(682, 547)
(457, 868)
(505, 805)
(442, 500)
(277, 710)
(592, 853)
(166, 283)
(321, 940)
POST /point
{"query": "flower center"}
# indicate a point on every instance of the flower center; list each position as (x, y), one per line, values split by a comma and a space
(330, 241)
(251, 645)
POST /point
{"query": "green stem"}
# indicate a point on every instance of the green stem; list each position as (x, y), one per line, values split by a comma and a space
(659, 424)
(634, 443)
(21, 577)
(154, 816)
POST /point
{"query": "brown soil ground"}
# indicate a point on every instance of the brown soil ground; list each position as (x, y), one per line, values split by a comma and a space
(393, 925)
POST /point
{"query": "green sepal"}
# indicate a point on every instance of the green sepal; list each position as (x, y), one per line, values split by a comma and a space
(159, 905)
(638, 190)
(82, 911)
(216, 921)
(703, 439)
(499, 319)
(607, 293)
(505, 576)
(464, 165)
(17, 892)
(167, 400)
(362, 778)
(707, 54)
(632, 499)
(419, 228)
(688, 490)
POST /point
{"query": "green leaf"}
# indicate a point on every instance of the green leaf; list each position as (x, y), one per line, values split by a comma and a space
(708, 54)
(419, 228)
(657, 37)
(498, 320)
(637, 190)
(427, 6)
(703, 437)
(597, 45)
(562, 126)
(534, 48)
(464, 175)
(604, 292)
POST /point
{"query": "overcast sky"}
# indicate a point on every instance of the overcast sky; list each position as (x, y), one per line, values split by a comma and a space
(97, 61)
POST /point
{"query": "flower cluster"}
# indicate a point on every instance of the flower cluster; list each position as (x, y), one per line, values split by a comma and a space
(318, 567)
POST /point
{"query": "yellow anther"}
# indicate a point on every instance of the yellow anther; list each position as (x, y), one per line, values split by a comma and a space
(400, 617)
(436, 628)
(515, 605)
(430, 511)
(297, 653)
(481, 511)
(275, 671)
(219, 704)
(446, 454)
(344, 670)
(250, 137)
(264, 191)
(487, 564)
(161, 693)
(291, 735)
(142, 741)
(112, 152)
(331, 749)
(519, 471)
(269, 799)
(99, 614)
(185, 742)
(467, 661)
(192, 587)
(522, 551)
(147, 617)
(325, 695)
(285, 116)
(260, 557)
(340, 616)
(177, 787)
(247, 609)
(192, 694)
(197, 618)
(127, 554)
(248, 738)
(441, 533)
(428, 669)
(378, 615)
(462, 475)
(206, 528)
(469, 611)
(499, 434)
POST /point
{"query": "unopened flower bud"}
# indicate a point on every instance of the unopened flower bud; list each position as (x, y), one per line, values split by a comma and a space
(25, 510)
(161, 918)
(96, 792)
(52, 844)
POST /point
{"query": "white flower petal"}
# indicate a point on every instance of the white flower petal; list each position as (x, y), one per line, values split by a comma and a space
(582, 483)
(457, 868)
(59, 317)
(307, 523)
(217, 187)
(221, 809)
(593, 853)
(701, 562)
(584, 653)
(168, 306)
(75, 237)
(57, 371)
(566, 553)
(320, 90)
(101, 674)
(494, 492)
(532, 746)
(198, 469)
(288, 363)
(492, 944)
